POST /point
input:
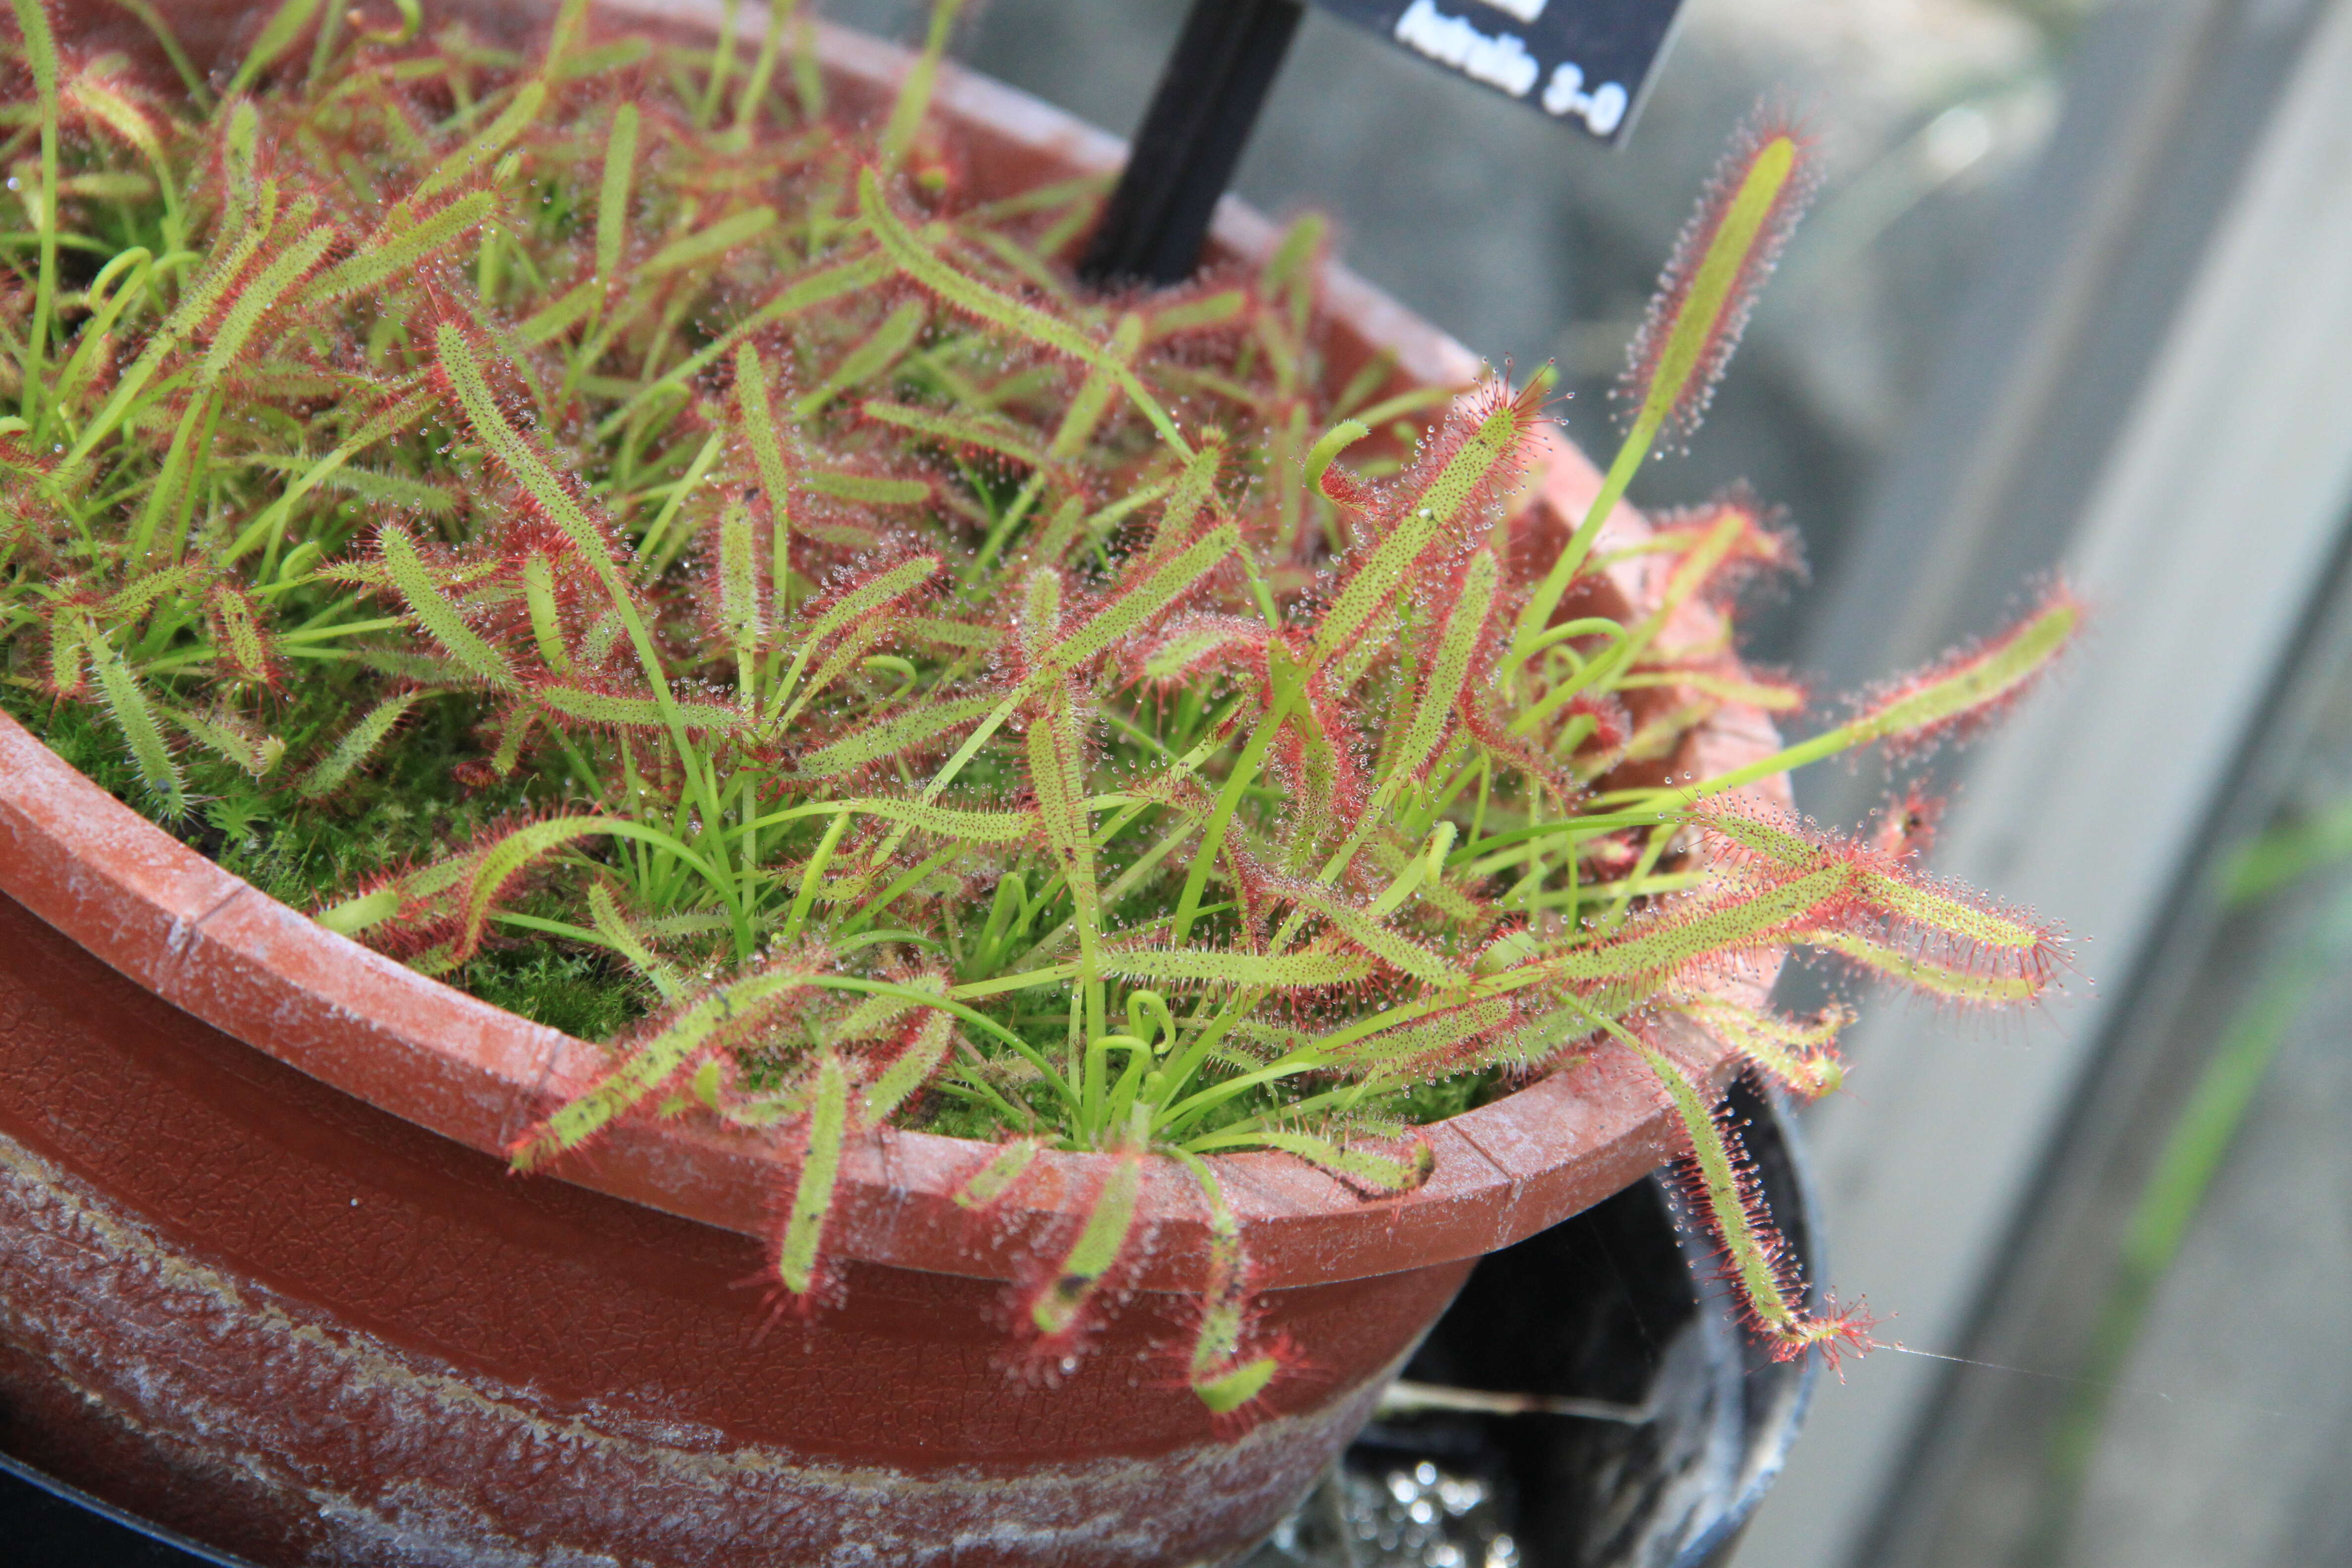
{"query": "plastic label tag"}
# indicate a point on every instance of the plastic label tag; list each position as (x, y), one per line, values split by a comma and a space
(1586, 62)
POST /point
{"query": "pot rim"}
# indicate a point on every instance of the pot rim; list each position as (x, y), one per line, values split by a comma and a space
(211, 944)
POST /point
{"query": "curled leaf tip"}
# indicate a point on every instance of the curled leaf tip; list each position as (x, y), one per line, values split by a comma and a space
(1709, 286)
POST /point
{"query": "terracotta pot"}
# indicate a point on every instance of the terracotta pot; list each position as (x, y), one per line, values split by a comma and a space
(266, 1280)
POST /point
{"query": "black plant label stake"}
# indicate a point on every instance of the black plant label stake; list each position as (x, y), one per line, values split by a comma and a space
(1585, 62)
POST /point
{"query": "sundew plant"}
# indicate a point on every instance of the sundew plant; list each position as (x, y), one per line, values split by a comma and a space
(610, 529)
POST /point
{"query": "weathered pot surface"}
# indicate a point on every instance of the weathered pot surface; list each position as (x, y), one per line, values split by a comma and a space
(268, 1281)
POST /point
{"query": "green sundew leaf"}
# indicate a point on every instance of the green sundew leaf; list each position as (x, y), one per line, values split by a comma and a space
(1216, 309)
(1227, 1392)
(1715, 289)
(986, 432)
(605, 913)
(613, 193)
(514, 733)
(1751, 1259)
(1195, 490)
(1000, 311)
(277, 35)
(992, 1181)
(914, 99)
(874, 595)
(113, 185)
(1096, 394)
(1698, 562)
(704, 244)
(1041, 611)
(754, 91)
(870, 1018)
(1187, 646)
(525, 460)
(1136, 608)
(437, 878)
(1380, 639)
(1099, 525)
(355, 915)
(358, 744)
(496, 138)
(249, 202)
(118, 114)
(396, 252)
(68, 641)
(739, 582)
(1061, 531)
(582, 64)
(565, 33)
(396, 416)
(759, 423)
(225, 735)
(869, 489)
(1977, 683)
(1411, 874)
(880, 351)
(1391, 947)
(1972, 925)
(1380, 1172)
(436, 612)
(136, 598)
(636, 712)
(509, 858)
(850, 653)
(1665, 945)
(820, 1171)
(910, 1069)
(197, 305)
(1800, 1056)
(1277, 971)
(1424, 520)
(596, 642)
(728, 1012)
(1950, 981)
(821, 286)
(569, 310)
(1438, 1043)
(530, 464)
(1771, 696)
(385, 490)
(901, 730)
(244, 641)
(1441, 690)
(1060, 1306)
(1290, 268)
(1327, 449)
(134, 719)
(1958, 919)
(945, 822)
(938, 631)
(1778, 843)
(1439, 894)
(1057, 740)
(706, 1083)
(1224, 1299)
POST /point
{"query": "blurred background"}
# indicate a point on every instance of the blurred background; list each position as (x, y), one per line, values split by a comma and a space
(2078, 296)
